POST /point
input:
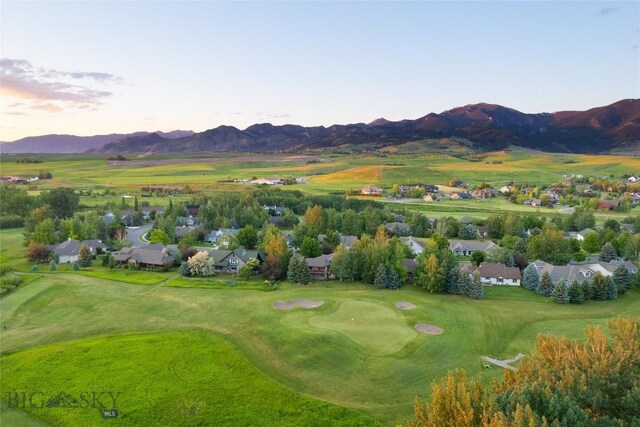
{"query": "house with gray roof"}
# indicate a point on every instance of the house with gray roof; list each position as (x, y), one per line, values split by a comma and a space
(215, 235)
(320, 267)
(347, 241)
(467, 247)
(400, 228)
(416, 246)
(150, 257)
(229, 261)
(498, 274)
(69, 250)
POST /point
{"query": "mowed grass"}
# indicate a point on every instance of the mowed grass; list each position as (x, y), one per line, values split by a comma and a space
(314, 352)
(374, 326)
(170, 378)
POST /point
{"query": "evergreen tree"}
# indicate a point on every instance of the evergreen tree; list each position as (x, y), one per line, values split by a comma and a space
(293, 271)
(53, 265)
(464, 282)
(84, 256)
(477, 290)
(304, 275)
(545, 288)
(612, 288)
(622, 278)
(380, 280)
(76, 266)
(393, 280)
(453, 279)
(587, 290)
(576, 296)
(599, 284)
(608, 252)
(511, 262)
(560, 293)
(531, 278)
(185, 270)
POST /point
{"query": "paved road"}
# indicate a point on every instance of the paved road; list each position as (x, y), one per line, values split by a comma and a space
(135, 233)
(504, 363)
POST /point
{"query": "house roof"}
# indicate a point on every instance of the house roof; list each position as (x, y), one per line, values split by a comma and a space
(400, 226)
(410, 265)
(155, 254)
(410, 241)
(496, 270)
(346, 241)
(182, 231)
(219, 255)
(472, 245)
(322, 261)
(71, 247)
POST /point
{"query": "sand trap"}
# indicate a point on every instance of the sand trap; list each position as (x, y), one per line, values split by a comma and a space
(428, 329)
(403, 305)
(302, 303)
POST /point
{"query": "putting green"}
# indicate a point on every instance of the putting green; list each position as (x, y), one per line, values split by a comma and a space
(375, 326)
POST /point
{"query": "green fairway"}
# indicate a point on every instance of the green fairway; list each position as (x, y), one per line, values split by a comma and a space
(378, 328)
(346, 367)
(179, 378)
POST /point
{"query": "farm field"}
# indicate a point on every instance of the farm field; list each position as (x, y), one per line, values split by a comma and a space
(324, 173)
(341, 352)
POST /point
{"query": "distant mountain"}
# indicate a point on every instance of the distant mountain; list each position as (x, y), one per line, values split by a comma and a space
(615, 127)
(74, 144)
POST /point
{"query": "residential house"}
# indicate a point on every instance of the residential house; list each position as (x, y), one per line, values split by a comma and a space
(633, 179)
(150, 257)
(533, 202)
(192, 210)
(483, 193)
(416, 246)
(229, 261)
(274, 210)
(430, 198)
(399, 228)
(499, 274)
(467, 247)
(482, 231)
(507, 189)
(188, 221)
(181, 231)
(69, 250)
(320, 267)
(608, 205)
(215, 235)
(371, 191)
(347, 241)
(581, 271)
(460, 195)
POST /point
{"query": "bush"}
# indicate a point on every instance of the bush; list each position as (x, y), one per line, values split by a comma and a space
(35, 268)
(9, 283)
(76, 266)
(38, 253)
(11, 221)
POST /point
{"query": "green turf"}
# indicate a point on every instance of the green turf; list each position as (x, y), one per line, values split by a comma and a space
(315, 361)
(171, 378)
(376, 327)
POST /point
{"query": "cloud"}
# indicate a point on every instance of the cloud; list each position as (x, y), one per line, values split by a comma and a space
(52, 90)
(606, 10)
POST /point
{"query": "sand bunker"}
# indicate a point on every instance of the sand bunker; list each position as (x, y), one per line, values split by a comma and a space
(403, 305)
(302, 303)
(428, 329)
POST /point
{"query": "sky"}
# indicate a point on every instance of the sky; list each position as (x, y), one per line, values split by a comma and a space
(88, 68)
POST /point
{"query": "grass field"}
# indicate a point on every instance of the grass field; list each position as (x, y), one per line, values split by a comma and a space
(357, 350)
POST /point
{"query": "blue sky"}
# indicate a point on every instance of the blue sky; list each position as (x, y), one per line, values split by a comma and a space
(100, 67)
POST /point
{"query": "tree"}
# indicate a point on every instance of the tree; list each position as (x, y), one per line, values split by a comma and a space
(611, 288)
(591, 243)
(342, 264)
(63, 201)
(545, 288)
(314, 218)
(293, 270)
(184, 269)
(599, 284)
(247, 237)
(44, 232)
(159, 236)
(84, 256)
(39, 253)
(380, 280)
(477, 290)
(561, 293)
(305, 274)
(201, 264)
(549, 246)
(310, 248)
(76, 266)
(432, 277)
(278, 254)
(393, 280)
(622, 278)
(53, 265)
(453, 280)
(576, 295)
(531, 278)
(478, 257)
(464, 282)
(608, 252)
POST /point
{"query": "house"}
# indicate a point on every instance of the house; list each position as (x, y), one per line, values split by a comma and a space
(467, 247)
(430, 198)
(274, 210)
(499, 274)
(266, 181)
(533, 202)
(192, 210)
(483, 193)
(460, 195)
(181, 231)
(188, 221)
(347, 241)
(429, 188)
(150, 257)
(276, 220)
(630, 228)
(608, 205)
(371, 191)
(214, 235)
(398, 228)
(633, 179)
(69, 250)
(229, 261)
(482, 231)
(507, 189)
(320, 267)
(416, 246)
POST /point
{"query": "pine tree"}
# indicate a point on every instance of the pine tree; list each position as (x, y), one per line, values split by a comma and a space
(393, 280)
(622, 278)
(599, 284)
(76, 266)
(545, 288)
(293, 270)
(53, 265)
(531, 278)
(587, 290)
(560, 293)
(464, 283)
(84, 256)
(380, 280)
(453, 279)
(511, 262)
(608, 252)
(477, 290)
(304, 275)
(576, 296)
(612, 288)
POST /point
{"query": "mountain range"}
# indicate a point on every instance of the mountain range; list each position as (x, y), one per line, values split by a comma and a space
(612, 128)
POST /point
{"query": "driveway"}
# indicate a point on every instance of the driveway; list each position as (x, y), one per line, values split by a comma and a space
(134, 235)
